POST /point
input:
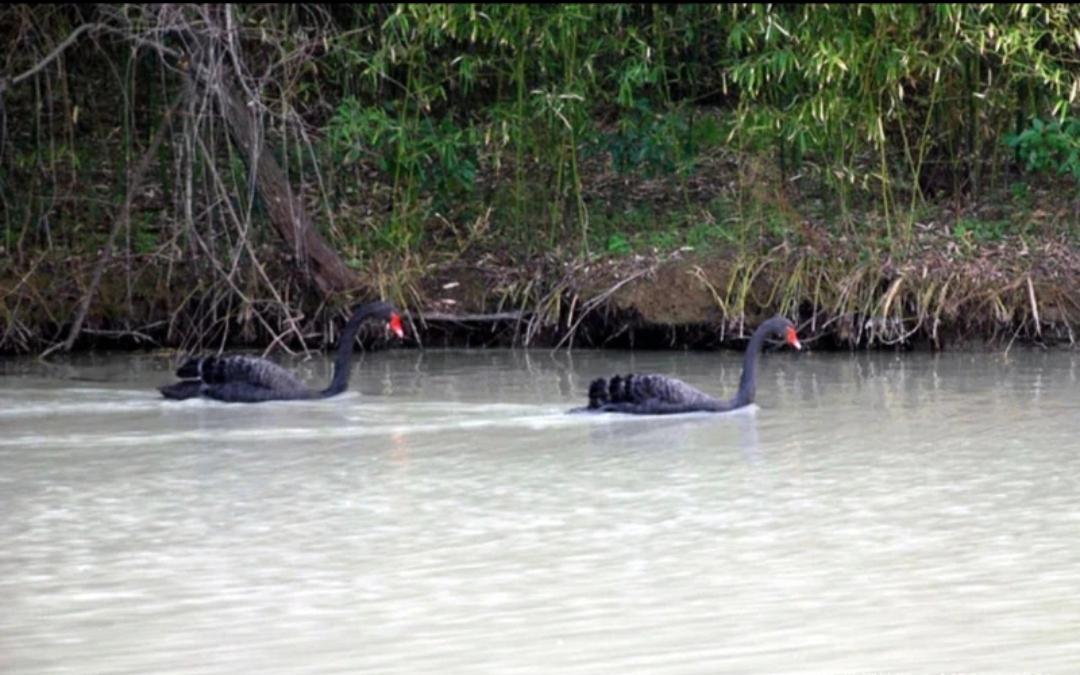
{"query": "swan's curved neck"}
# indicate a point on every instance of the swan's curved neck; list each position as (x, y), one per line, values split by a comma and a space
(343, 360)
(748, 381)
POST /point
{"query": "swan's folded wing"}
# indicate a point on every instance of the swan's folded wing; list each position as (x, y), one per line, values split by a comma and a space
(241, 369)
(662, 389)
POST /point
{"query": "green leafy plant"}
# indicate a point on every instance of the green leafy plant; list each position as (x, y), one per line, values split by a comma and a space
(1049, 146)
(618, 244)
(971, 229)
(648, 141)
(437, 155)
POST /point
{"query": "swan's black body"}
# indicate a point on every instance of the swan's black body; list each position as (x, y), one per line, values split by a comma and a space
(662, 395)
(247, 379)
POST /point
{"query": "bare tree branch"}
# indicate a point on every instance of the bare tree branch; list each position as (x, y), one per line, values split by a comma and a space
(53, 54)
(121, 221)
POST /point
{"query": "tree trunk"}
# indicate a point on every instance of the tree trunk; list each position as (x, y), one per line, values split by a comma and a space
(286, 208)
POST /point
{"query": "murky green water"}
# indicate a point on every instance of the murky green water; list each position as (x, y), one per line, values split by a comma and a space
(875, 512)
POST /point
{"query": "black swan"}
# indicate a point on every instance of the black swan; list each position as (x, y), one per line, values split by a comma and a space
(248, 379)
(662, 395)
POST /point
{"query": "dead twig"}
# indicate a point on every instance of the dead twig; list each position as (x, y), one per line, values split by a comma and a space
(597, 300)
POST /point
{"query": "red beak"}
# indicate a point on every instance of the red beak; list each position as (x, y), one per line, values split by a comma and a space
(793, 339)
(395, 325)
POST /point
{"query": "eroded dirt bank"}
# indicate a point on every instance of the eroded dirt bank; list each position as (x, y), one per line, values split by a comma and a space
(936, 298)
(690, 300)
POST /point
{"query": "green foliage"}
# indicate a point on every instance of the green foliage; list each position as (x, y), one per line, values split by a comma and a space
(864, 97)
(1021, 194)
(458, 107)
(971, 229)
(649, 142)
(438, 156)
(618, 244)
(874, 93)
(645, 230)
(1052, 147)
(706, 234)
(144, 238)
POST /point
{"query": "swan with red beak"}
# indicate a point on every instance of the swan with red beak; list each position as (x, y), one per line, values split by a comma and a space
(652, 394)
(246, 379)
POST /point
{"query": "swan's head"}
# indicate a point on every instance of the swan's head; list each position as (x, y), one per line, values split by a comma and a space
(781, 328)
(379, 310)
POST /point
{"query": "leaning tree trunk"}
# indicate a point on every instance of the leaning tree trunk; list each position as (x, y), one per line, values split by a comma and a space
(213, 53)
(287, 212)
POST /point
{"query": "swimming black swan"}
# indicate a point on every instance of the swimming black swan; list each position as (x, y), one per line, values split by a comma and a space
(662, 395)
(247, 379)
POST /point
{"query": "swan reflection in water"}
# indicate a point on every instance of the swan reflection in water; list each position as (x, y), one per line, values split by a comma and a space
(675, 432)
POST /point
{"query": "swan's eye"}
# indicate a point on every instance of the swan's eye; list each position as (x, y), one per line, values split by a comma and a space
(792, 339)
(395, 325)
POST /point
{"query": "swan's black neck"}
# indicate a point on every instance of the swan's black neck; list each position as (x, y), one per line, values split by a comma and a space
(748, 381)
(343, 360)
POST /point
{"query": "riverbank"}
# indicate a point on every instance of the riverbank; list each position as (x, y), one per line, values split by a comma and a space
(663, 262)
(944, 292)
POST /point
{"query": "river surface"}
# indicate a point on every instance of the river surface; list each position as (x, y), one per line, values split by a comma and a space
(876, 512)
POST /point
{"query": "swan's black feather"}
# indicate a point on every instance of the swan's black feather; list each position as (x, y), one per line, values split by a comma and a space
(248, 369)
(653, 394)
(247, 379)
